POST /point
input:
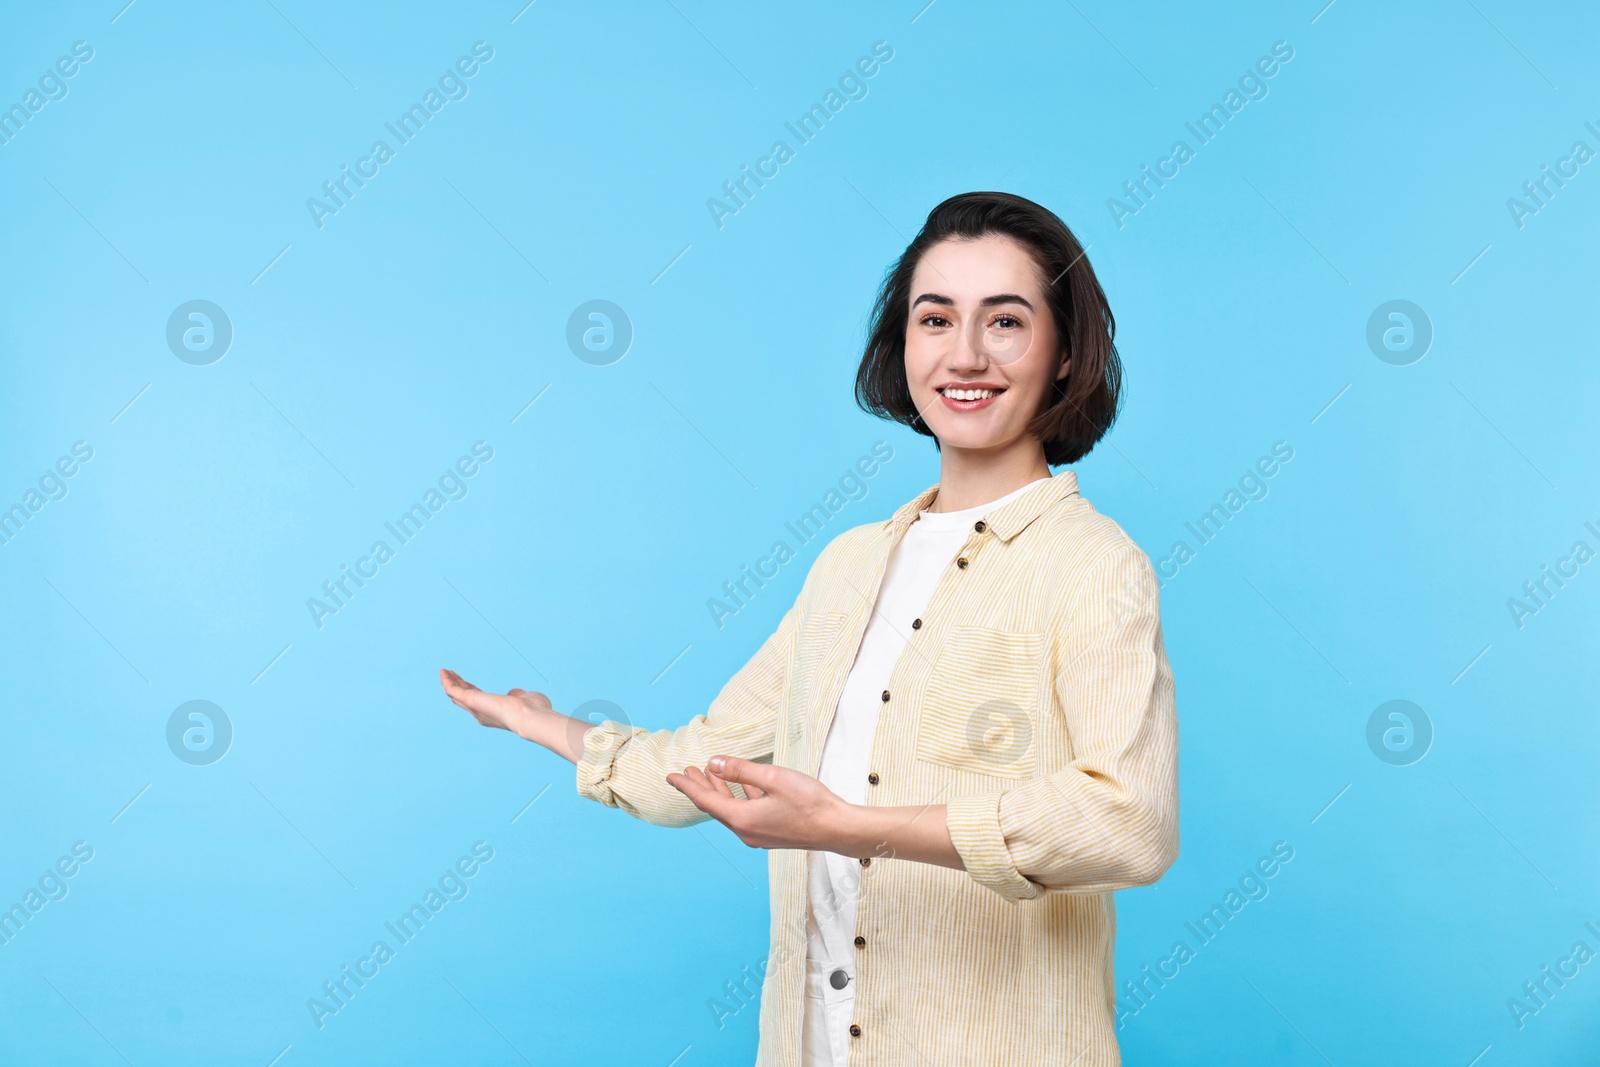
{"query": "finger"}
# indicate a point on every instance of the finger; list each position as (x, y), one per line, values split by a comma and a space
(695, 782)
(476, 700)
(721, 786)
(746, 790)
(459, 691)
(455, 680)
(454, 687)
(745, 772)
(692, 784)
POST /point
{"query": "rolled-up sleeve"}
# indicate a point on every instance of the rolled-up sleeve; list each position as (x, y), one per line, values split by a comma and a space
(626, 767)
(1109, 819)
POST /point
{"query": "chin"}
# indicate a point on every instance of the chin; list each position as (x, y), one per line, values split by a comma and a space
(966, 439)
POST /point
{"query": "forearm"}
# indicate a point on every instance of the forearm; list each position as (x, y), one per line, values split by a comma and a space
(561, 734)
(913, 832)
(922, 833)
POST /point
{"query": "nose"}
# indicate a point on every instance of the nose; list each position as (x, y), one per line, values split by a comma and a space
(968, 359)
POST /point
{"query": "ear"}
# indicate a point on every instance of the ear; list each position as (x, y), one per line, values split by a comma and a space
(1066, 367)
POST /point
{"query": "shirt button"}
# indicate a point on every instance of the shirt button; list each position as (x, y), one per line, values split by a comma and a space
(838, 979)
(861, 942)
(866, 861)
(916, 624)
(855, 1031)
(962, 563)
(980, 526)
(872, 779)
(886, 696)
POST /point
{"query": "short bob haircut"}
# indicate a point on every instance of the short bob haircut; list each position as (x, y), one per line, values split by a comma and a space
(1086, 403)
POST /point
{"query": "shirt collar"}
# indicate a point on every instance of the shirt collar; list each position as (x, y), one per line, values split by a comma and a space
(1006, 521)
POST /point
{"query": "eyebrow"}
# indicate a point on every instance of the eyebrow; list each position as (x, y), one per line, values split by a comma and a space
(988, 301)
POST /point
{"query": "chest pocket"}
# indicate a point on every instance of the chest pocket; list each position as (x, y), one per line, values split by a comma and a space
(817, 634)
(980, 709)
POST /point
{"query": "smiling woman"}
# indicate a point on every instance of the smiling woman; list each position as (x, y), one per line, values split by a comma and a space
(1001, 250)
(960, 740)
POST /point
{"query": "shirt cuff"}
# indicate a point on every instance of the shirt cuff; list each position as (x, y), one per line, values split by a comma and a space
(595, 765)
(974, 825)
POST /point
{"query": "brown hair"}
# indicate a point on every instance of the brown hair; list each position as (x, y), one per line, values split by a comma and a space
(1086, 403)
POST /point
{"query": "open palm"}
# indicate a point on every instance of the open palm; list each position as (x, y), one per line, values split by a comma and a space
(512, 710)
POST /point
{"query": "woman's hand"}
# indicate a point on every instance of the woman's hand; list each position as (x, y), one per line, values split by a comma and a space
(784, 807)
(512, 711)
(528, 715)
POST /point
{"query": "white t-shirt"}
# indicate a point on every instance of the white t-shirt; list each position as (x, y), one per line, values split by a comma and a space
(913, 570)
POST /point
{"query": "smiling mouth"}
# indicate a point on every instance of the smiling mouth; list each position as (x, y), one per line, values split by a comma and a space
(968, 395)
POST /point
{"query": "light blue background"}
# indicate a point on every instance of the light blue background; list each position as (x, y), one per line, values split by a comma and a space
(427, 315)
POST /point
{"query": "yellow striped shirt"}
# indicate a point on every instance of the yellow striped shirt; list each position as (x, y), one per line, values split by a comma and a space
(1035, 700)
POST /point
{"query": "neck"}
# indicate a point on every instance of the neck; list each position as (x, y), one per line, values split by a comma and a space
(968, 478)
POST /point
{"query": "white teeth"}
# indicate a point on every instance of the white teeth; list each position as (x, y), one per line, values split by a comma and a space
(969, 394)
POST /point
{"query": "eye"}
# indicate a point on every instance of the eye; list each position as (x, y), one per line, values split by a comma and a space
(1009, 322)
(929, 320)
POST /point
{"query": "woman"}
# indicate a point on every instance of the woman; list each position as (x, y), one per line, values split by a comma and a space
(962, 737)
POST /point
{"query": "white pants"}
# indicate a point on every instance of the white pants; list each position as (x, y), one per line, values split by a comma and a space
(825, 1040)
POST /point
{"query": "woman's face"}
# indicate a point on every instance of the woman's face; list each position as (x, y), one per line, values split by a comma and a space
(979, 320)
